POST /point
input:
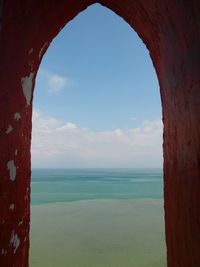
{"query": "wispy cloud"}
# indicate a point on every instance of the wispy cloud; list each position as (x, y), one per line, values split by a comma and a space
(54, 83)
(57, 144)
(133, 118)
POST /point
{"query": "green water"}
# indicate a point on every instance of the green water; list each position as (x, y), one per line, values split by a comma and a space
(97, 218)
(50, 186)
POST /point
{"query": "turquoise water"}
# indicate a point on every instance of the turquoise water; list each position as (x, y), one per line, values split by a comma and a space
(64, 185)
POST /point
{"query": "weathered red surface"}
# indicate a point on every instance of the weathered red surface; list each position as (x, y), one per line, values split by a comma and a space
(171, 31)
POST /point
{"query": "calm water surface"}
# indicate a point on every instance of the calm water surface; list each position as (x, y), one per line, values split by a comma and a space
(63, 185)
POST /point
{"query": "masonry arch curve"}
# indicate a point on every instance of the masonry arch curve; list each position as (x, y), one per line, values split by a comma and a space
(30, 26)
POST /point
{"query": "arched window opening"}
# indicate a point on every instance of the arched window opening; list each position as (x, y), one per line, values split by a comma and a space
(97, 195)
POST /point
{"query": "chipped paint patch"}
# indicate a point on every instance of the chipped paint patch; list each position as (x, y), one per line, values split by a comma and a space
(9, 129)
(17, 116)
(30, 51)
(16, 152)
(14, 241)
(27, 83)
(12, 170)
(20, 223)
(3, 252)
(31, 64)
(42, 49)
(12, 206)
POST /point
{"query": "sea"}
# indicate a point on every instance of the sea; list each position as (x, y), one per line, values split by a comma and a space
(97, 218)
(65, 185)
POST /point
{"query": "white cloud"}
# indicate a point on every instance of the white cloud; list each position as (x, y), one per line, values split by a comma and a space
(53, 82)
(55, 144)
(56, 83)
(133, 118)
(67, 126)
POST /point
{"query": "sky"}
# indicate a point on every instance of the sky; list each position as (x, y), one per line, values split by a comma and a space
(96, 101)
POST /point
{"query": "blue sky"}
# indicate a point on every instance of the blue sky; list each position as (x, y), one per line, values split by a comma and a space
(97, 79)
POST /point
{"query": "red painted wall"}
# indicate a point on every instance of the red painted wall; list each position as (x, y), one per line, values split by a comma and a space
(171, 31)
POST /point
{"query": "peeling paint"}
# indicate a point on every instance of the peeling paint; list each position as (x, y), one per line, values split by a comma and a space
(14, 241)
(12, 206)
(42, 49)
(17, 116)
(20, 223)
(27, 83)
(30, 51)
(9, 129)
(12, 170)
(16, 152)
(3, 252)
(31, 64)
